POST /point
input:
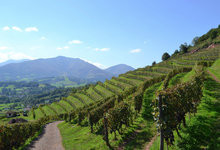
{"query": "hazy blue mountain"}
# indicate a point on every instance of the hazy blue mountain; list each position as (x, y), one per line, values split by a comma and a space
(40, 68)
(119, 69)
(13, 61)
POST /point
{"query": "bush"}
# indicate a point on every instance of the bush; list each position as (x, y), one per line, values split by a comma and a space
(165, 56)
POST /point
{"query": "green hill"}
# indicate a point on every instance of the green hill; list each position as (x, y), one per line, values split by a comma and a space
(83, 110)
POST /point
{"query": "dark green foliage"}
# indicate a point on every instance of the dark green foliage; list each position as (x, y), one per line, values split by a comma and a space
(176, 102)
(213, 34)
(65, 117)
(175, 52)
(195, 40)
(137, 100)
(165, 56)
(203, 130)
(117, 116)
(153, 63)
(97, 113)
(183, 47)
(33, 113)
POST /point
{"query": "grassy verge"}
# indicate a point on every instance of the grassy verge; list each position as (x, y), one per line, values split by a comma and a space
(215, 69)
(176, 79)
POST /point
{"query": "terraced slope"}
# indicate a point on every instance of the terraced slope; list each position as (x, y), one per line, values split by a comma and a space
(131, 79)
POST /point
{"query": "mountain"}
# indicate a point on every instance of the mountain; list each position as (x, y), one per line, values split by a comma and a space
(40, 68)
(119, 69)
(13, 61)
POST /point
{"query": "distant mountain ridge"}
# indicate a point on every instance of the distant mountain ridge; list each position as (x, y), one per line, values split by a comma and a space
(119, 69)
(10, 61)
(40, 68)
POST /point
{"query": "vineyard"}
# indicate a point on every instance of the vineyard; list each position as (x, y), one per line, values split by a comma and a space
(170, 93)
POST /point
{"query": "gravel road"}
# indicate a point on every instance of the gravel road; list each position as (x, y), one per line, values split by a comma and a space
(49, 139)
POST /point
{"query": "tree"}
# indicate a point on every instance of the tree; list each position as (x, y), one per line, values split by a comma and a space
(195, 40)
(183, 48)
(153, 63)
(213, 34)
(165, 56)
(175, 52)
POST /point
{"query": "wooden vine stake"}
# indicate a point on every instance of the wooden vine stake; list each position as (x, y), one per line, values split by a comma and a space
(161, 130)
(106, 132)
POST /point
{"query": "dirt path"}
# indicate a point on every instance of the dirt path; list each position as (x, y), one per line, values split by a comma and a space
(214, 77)
(151, 142)
(49, 139)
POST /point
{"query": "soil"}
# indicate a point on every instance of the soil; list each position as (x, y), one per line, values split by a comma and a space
(151, 142)
(49, 139)
(214, 77)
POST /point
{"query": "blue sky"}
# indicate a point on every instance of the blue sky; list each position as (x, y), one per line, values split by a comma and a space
(105, 33)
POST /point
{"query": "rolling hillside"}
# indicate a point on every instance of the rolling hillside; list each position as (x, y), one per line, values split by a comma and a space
(59, 66)
(131, 94)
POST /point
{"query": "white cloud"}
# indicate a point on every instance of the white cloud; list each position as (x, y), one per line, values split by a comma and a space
(105, 49)
(135, 51)
(42, 38)
(59, 48)
(32, 48)
(16, 28)
(96, 49)
(31, 29)
(75, 42)
(3, 48)
(88, 47)
(145, 42)
(6, 28)
(14, 55)
(66, 47)
(101, 66)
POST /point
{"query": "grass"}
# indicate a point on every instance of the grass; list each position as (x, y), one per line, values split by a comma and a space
(137, 82)
(117, 89)
(58, 108)
(176, 79)
(188, 76)
(127, 86)
(67, 105)
(94, 94)
(104, 90)
(48, 111)
(85, 98)
(77, 102)
(215, 69)
(80, 137)
(38, 113)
